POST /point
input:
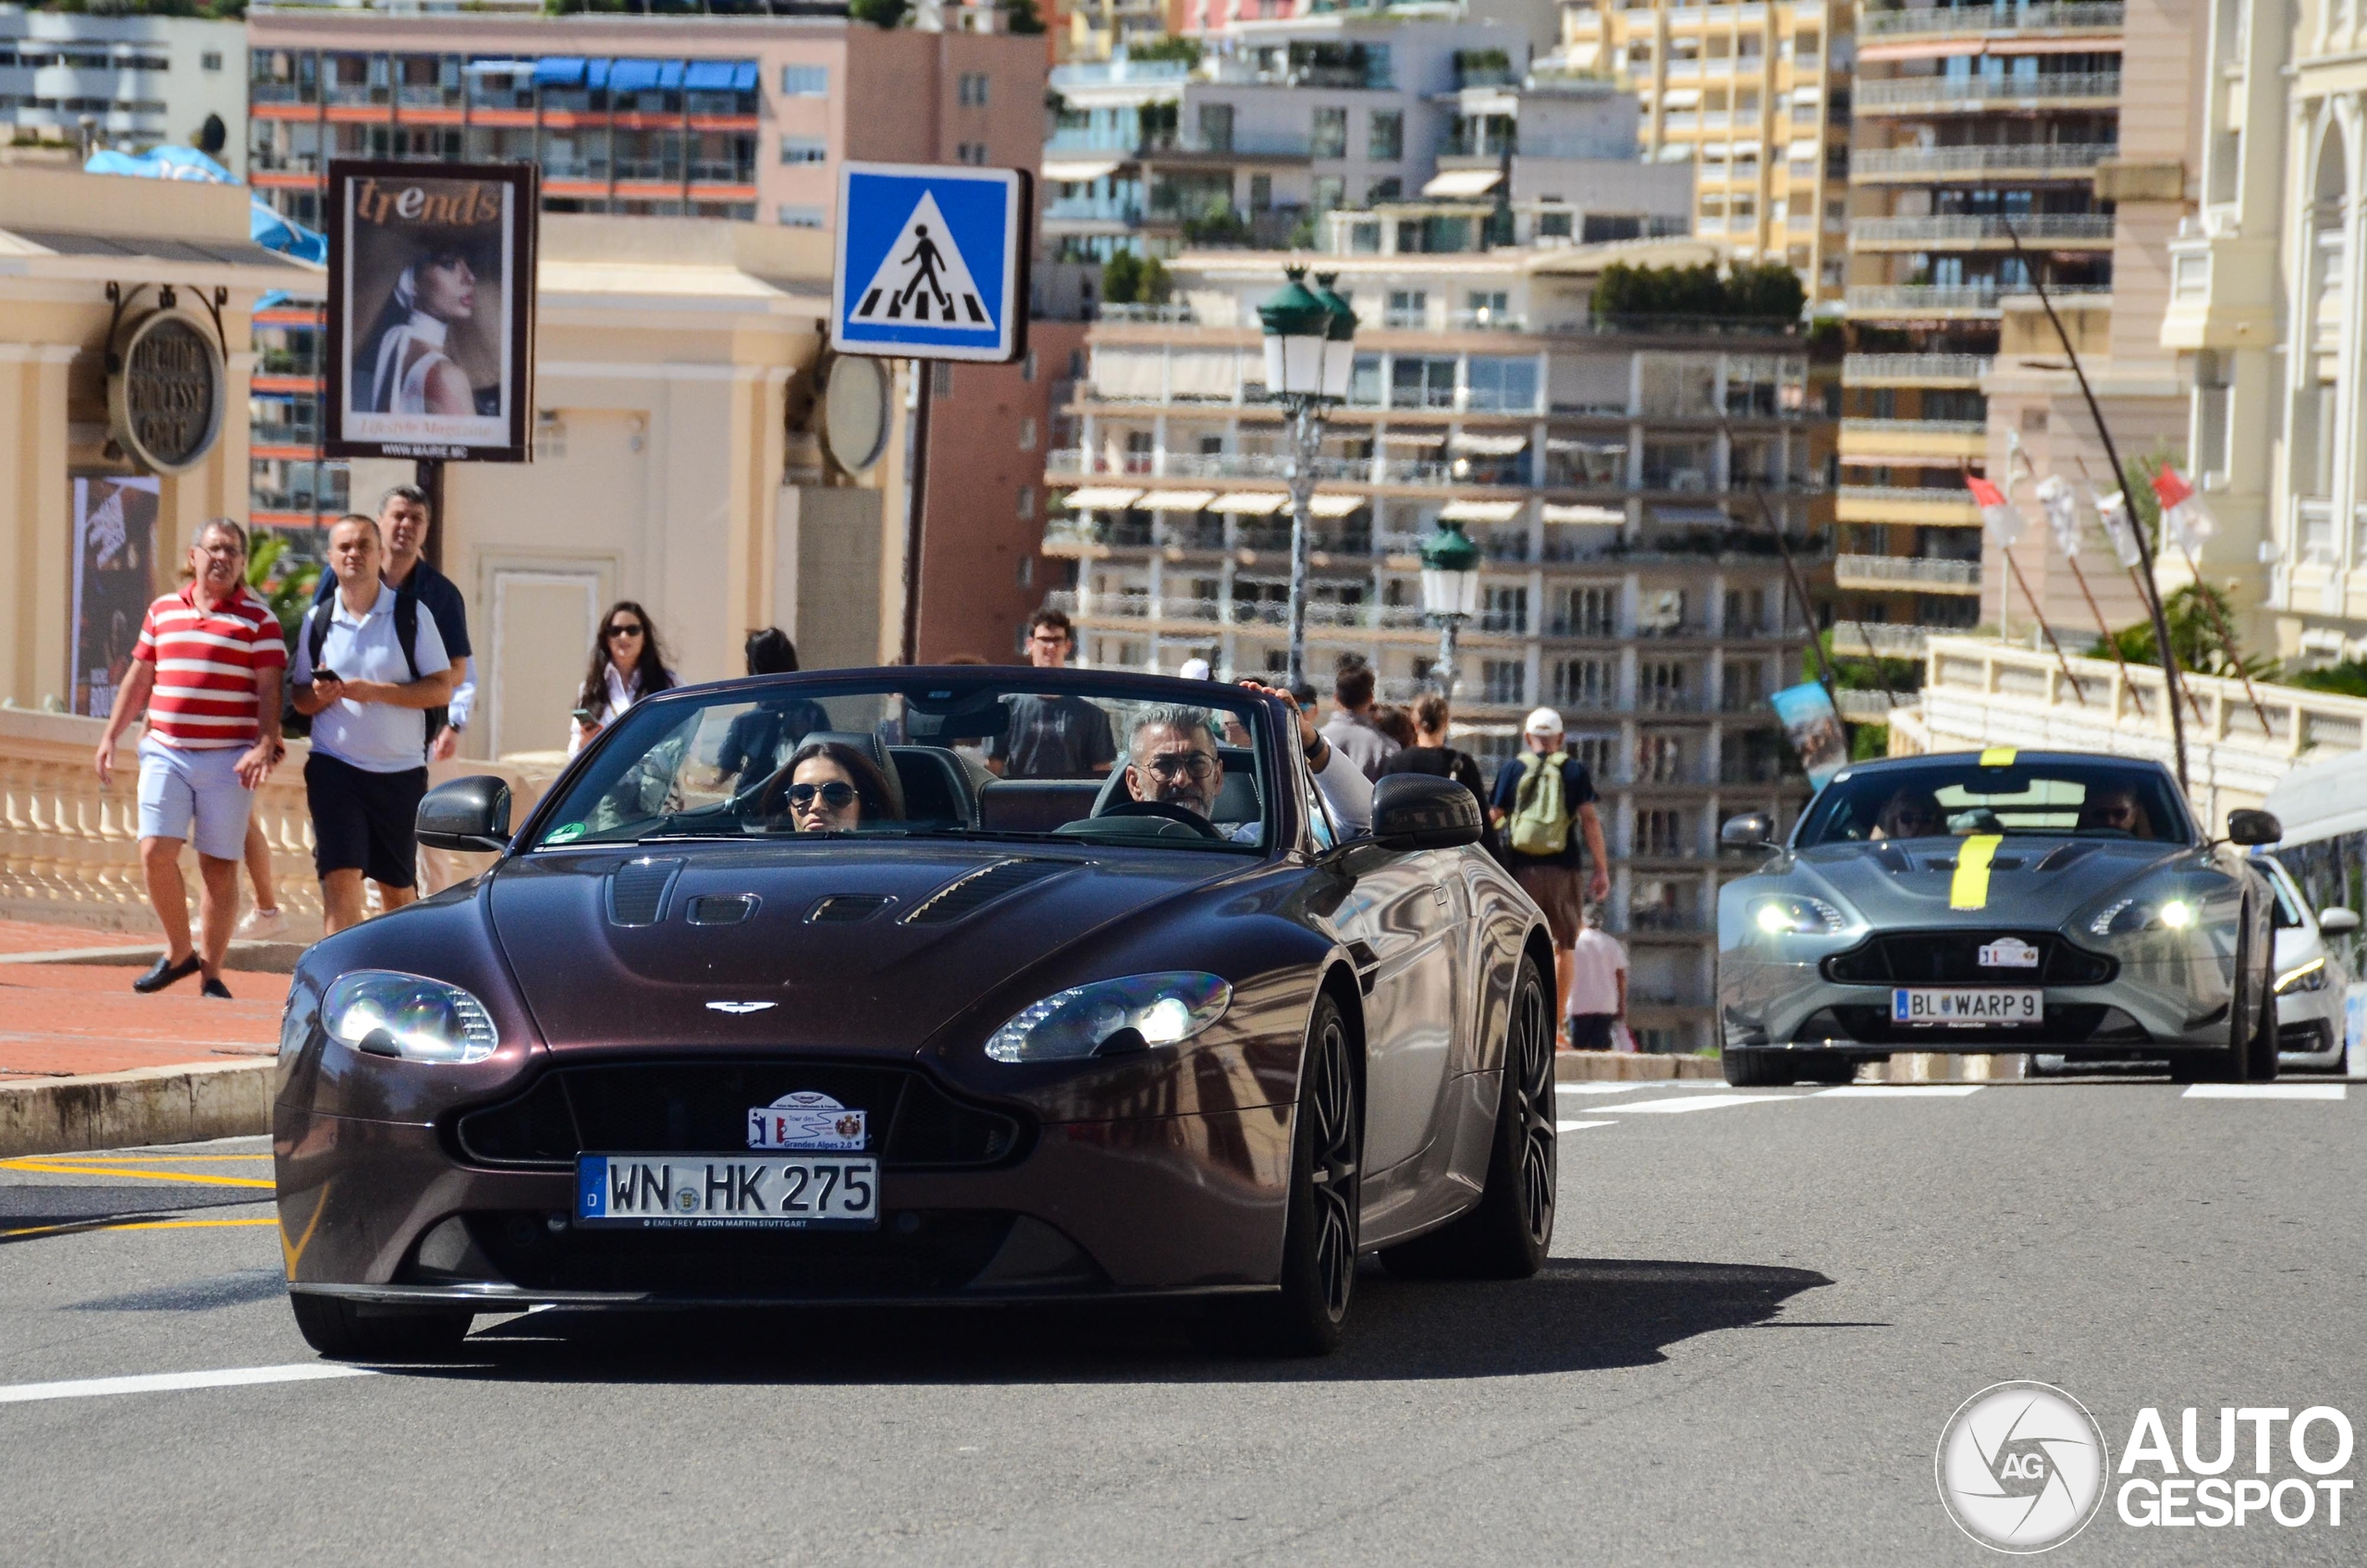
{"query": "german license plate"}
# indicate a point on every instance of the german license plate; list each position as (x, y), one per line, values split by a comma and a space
(1969, 1006)
(728, 1191)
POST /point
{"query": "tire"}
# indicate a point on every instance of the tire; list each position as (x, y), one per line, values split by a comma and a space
(1505, 1235)
(1319, 1237)
(1751, 1069)
(343, 1331)
(2250, 1057)
(2259, 1063)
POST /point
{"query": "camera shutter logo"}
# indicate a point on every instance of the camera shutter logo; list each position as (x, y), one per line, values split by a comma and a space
(2021, 1467)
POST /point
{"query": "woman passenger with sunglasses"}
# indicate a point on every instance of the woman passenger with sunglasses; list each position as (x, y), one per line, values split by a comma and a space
(834, 789)
(626, 666)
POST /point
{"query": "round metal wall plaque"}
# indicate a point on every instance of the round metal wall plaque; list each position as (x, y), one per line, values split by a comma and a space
(856, 404)
(165, 399)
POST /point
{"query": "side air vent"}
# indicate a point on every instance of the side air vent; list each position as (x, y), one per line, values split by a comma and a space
(723, 909)
(966, 895)
(637, 890)
(845, 909)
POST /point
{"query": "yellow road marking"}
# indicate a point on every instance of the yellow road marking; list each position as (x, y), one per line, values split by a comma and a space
(49, 1168)
(1970, 889)
(80, 1225)
(189, 1224)
(295, 1255)
(1999, 756)
(145, 1158)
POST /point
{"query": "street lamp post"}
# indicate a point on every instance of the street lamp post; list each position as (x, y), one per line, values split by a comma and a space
(1310, 351)
(1450, 592)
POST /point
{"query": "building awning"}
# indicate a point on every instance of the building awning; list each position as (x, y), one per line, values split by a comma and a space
(1808, 94)
(1572, 444)
(1488, 446)
(1101, 497)
(1715, 148)
(1175, 500)
(1479, 512)
(639, 76)
(595, 73)
(1079, 171)
(1806, 149)
(1251, 503)
(709, 76)
(1612, 516)
(1680, 97)
(1413, 437)
(555, 70)
(1336, 505)
(1463, 182)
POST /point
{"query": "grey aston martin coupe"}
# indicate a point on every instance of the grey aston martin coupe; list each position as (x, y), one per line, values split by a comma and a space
(1997, 900)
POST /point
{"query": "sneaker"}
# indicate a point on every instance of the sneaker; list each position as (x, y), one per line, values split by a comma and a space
(213, 987)
(164, 972)
(262, 924)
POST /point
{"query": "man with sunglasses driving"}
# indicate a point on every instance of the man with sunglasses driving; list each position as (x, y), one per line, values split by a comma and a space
(1172, 759)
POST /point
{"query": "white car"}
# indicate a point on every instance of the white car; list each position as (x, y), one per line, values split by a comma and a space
(2311, 974)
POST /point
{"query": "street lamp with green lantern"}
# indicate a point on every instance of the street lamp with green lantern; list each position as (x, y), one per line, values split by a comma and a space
(1310, 353)
(1450, 592)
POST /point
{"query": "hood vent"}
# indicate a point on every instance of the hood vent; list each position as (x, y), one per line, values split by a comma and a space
(845, 909)
(966, 895)
(723, 909)
(637, 890)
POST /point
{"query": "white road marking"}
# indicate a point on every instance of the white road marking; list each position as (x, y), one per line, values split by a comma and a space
(1703, 1102)
(167, 1382)
(1597, 1088)
(1902, 1091)
(2266, 1092)
(1579, 1126)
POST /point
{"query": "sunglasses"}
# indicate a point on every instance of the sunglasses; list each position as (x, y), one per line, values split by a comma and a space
(835, 796)
(624, 629)
(1200, 764)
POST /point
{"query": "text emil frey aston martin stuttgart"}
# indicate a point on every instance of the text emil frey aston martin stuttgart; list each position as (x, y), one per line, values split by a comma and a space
(956, 983)
(1998, 901)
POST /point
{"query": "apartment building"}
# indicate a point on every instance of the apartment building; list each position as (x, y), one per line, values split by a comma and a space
(129, 82)
(1094, 31)
(2265, 313)
(1756, 99)
(1278, 123)
(727, 117)
(1630, 578)
(1996, 146)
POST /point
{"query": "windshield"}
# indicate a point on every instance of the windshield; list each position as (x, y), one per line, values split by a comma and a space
(1954, 796)
(994, 756)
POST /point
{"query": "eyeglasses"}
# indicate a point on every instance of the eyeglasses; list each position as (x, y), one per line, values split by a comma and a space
(624, 629)
(835, 796)
(1175, 765)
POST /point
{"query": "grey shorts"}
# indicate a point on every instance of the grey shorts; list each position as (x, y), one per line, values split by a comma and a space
(179, 788)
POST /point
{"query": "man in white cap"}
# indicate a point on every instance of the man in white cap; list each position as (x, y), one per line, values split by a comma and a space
(1195, 669)
(1543, 804)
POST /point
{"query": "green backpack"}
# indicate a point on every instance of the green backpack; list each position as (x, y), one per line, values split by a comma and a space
(1540, 823)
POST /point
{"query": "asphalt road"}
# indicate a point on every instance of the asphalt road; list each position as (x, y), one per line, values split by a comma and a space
(1762, 1311)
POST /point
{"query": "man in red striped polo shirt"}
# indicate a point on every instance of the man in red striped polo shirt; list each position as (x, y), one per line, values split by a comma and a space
(207, 669)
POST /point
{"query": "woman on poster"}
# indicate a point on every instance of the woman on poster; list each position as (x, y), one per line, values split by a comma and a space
(405, 365)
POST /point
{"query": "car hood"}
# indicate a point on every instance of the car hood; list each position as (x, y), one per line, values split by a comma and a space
(864, 949)
(2034, 883)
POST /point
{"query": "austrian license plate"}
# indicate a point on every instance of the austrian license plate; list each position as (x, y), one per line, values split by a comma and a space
(805, 1192)
(1968, 1007)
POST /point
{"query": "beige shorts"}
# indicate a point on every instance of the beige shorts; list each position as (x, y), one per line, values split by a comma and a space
(1560, 892)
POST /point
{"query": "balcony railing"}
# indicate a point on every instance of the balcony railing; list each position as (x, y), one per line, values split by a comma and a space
(1912, 570)
(1961, 230)
(1862, 638)
(1901, 92)
(1875, 370)
(2039, 156)
(1911, 298)
(1953, 496)
(1852, 424)
(1938, 20)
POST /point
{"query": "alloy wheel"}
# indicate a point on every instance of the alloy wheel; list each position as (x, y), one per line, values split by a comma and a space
(1333, 1102)
(1530, 1059)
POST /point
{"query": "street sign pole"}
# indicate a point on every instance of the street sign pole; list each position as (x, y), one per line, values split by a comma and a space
(932, 264)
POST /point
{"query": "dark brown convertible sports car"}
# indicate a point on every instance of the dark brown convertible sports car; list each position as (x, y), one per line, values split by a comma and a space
(902, 984)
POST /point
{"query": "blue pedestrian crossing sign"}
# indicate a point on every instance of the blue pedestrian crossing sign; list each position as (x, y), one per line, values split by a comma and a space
(932, 261)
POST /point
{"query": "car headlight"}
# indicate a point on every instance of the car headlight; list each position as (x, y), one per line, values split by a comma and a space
(1796, 914)
(408, 1016)
(1163, 1010)
(2310, 976)
(2124, 917)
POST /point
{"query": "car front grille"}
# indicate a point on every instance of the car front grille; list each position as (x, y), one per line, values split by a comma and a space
(1930, 958)
(700, 1106)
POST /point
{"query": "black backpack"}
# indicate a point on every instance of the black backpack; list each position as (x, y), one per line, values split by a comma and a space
(315, 629)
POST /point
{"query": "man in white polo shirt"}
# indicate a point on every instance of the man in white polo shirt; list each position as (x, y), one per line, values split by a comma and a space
(368, 698)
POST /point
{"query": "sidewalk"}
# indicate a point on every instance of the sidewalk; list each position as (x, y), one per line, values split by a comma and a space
(70, 1020)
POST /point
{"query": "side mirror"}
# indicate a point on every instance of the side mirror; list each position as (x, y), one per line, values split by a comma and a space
(2253, 827)
(1414, 810)
(1751, 831)
(467, 813)
(2338, 922)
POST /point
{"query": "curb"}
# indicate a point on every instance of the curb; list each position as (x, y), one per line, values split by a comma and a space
(1631, 1066)
(147, 1105)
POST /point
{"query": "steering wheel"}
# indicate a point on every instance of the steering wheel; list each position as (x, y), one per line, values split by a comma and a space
(1206, 828)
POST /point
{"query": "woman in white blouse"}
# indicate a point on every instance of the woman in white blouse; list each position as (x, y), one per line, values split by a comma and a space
(626, 666)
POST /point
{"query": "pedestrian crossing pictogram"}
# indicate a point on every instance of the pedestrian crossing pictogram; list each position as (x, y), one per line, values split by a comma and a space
(922, 279)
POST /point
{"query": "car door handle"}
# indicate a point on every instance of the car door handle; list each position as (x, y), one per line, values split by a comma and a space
(1438, 892)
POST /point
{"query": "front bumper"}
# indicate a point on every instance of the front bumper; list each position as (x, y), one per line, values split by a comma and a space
(386, 1212)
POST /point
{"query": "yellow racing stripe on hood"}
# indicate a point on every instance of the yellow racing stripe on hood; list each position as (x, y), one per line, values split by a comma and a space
(1970, 889)
(1999, 756)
